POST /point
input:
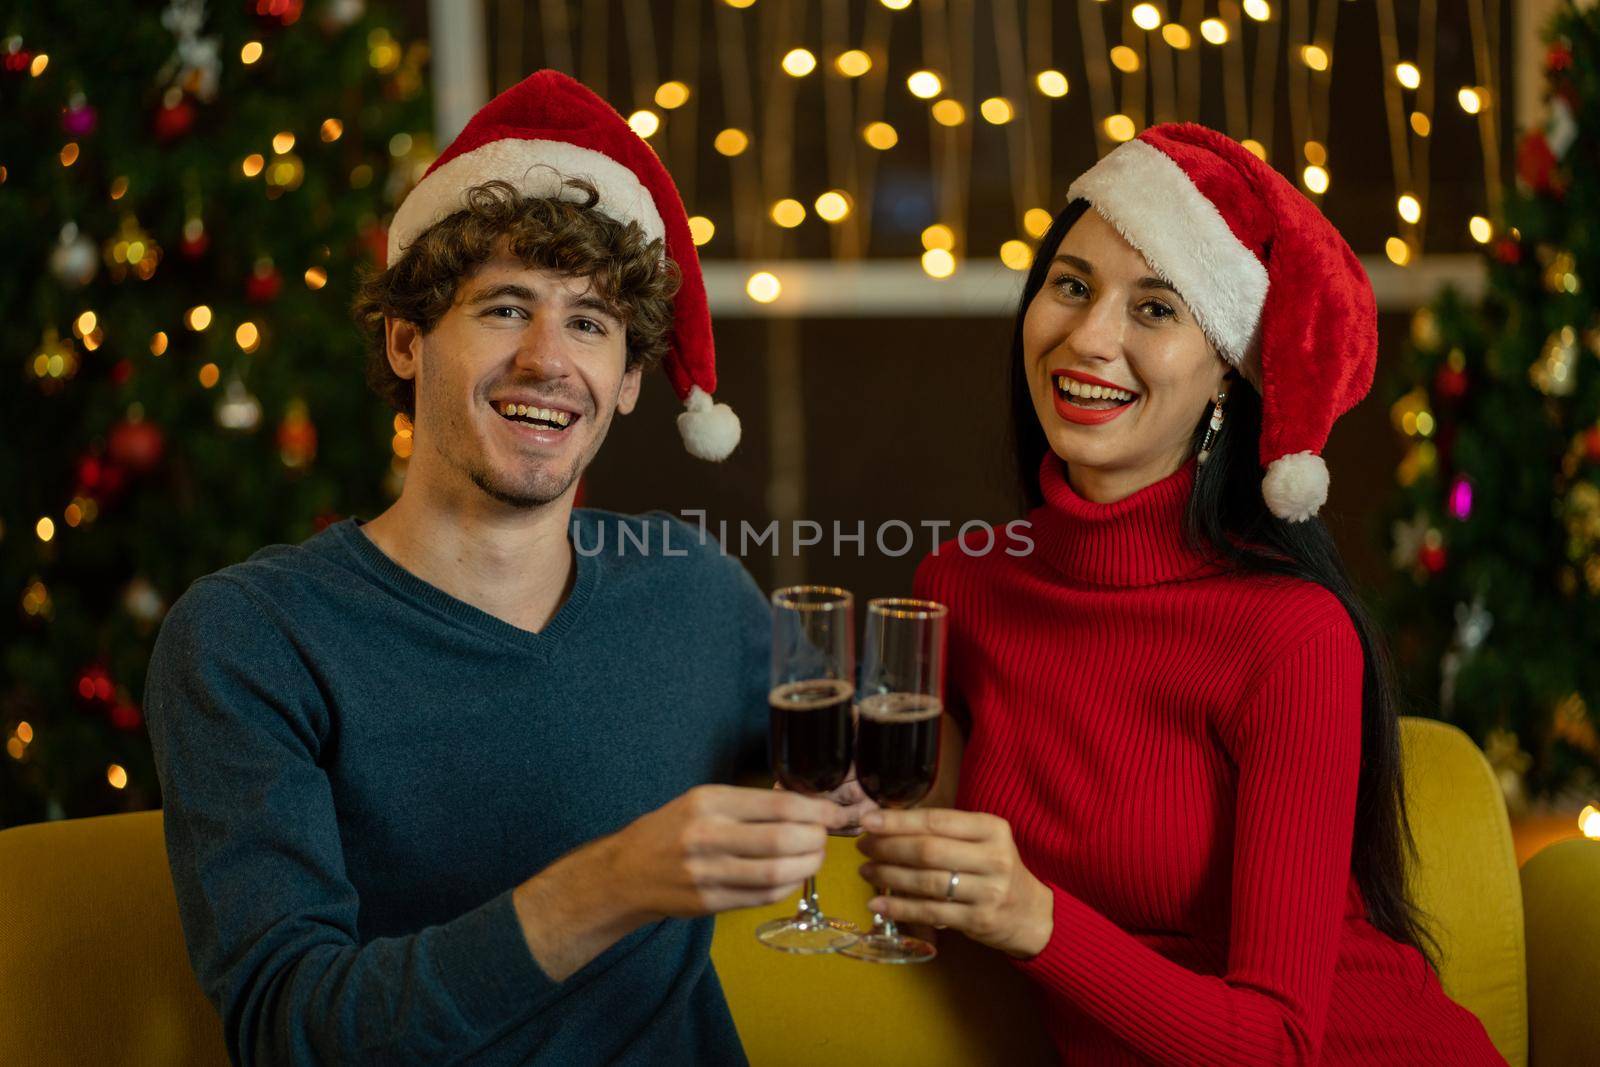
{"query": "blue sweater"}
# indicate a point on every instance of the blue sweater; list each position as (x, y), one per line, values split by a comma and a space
(357, 769)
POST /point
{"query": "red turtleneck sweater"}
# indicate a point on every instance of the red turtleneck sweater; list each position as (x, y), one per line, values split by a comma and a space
(1176, 750)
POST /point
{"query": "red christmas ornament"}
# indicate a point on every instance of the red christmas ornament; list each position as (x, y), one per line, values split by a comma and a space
(1450, 384)
(1536, 163)
(17, 62)
(195, 248)
(1431, 558)
(1559, 58)
(1508, 251)
(98, 479)
(173, 122)
(125, 716)
(137, 446)
(94, 684)
(277, 13)
(264, 283)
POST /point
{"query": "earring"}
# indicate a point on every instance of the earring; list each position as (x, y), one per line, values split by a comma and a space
(1211, 431)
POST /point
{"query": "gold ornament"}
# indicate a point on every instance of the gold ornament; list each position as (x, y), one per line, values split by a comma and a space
(1554, 373)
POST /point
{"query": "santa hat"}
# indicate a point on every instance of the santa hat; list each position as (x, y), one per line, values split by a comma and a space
(536, 135)
(1273, 285)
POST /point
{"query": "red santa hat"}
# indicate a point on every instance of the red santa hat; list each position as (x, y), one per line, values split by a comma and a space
(544, 130)
(1274, 286)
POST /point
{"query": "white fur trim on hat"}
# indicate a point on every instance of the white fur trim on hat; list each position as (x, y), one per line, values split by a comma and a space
(535, 168)
(1148, 199)
(1296, 486)
(710, 431)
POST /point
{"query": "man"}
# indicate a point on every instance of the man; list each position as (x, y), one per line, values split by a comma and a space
(435, 784)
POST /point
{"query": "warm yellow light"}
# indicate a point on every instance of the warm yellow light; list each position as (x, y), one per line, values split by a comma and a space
(799, 62)
(948, 113)
(1146, 16)
(1125, 59)
(1176, 36)
(880, 135)
(1255, 148)
(939, 236)
(283, 142)
(117, 776)
(73, 514)
(1480, 228)
(788, 213)
(1407, 75)
(1316, 153)
(740, 4)
(158, 343)
(15, 748)
(400, 144)
(1398, 251)
(996, 110)
(1036, 221)
(1410, 208)
(1315, 178)
(24, 733)
(1589, 822)
(672, 94)
(1016, 254)
(45, 528)
(1470, 99)
(85, 323)
(252, 164)
(316, 277)
(1315, 57)
(853, 64)
(938, 263)
(197, 318)
(1215, 31)
(924, 84)
(209, 375)
(1120, 128)
(332, 130)
(119, 187)
(701, 229)
(833, 205)
(247, 336)
(731, 141)
(644, 122)
(40, 61)
(896, 5)
(250, 52)
(763, 287)
(1259, 10)
(1421, 125)
(69, 153)
(1051, 83)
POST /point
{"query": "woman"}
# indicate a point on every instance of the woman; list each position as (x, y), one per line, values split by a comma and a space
(1179, 797)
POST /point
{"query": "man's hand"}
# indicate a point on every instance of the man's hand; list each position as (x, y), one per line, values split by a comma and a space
(714, 849)
(853, 799)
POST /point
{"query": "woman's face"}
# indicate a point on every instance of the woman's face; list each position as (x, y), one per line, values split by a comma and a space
(1119, 370)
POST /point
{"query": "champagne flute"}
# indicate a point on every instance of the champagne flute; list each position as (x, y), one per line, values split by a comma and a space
(900, 705)
(811, 731)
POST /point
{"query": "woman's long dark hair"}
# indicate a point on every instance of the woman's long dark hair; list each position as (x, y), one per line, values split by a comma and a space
(1228, 519)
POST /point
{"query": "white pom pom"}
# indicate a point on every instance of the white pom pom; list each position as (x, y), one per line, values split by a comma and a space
(1296, 486)
(710, 431)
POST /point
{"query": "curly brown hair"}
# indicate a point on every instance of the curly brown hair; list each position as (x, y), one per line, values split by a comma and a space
(627, 270)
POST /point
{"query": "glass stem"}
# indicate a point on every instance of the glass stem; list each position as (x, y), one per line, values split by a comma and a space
(810, 910)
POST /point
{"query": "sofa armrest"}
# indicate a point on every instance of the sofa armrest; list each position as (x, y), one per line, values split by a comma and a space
(1561, 902)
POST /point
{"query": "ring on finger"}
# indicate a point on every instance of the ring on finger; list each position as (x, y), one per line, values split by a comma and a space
(950, 890)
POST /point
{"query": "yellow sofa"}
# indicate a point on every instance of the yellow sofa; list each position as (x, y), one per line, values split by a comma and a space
(93, 968)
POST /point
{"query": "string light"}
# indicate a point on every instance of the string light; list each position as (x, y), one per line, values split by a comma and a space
(250, 52)
(119, 188)
(283, 142)
(739, 4)
(701, 229)
(1016, 254)
(1315, 178)
(158, 343)
(45, 528)
(1215, 31)
(1316, 153)
(1125, 59)
(731, 142)
(332, 130)
(924, 84)
(1259, 10)
(1480, 229)
(1120, 128)
(1146, 16)
(247, 336)
(69, 153)
(1407, 75)
(252, 164)
(833, 205)
(1176, 36)
(880, 135)
(1255, 148)
(939, 236)
(1470, 99)
(996, 110)
(40, 62)
(671, 95)
(799, 62)
(938, 263)
(763, 287)
(853, 64)
(209, 375)
(896, 5)
(1410, 208)
(1036, 221)
(316, 278)
(84, 324)
(949, 113)
(644, 122)
(1589, 822)
(788, 213)
(1421, 125)
(1051, 83)
(197, 318)
(1315, 57)
(1398, 251)
(117, 776)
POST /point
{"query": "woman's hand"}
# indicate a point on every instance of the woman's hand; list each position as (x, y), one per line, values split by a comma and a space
(997, 901)
(851, 797)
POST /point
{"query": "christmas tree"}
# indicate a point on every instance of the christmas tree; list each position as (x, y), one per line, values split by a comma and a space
(188, 195)
(1496, 532)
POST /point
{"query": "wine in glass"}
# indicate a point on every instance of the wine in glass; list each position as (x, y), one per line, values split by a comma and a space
(899, 710)
(811, 731)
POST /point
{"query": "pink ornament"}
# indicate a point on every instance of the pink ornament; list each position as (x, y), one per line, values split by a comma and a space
(79, 120)
(1461, 498)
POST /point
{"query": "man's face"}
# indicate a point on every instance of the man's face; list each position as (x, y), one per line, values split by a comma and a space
(517, 384)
